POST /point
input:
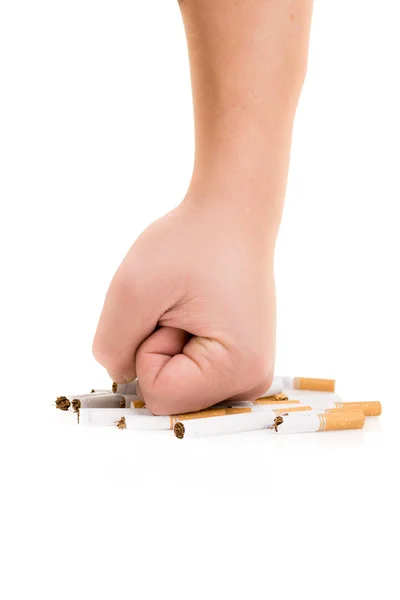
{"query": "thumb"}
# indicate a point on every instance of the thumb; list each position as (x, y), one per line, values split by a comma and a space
(181, 373)
(129, 316)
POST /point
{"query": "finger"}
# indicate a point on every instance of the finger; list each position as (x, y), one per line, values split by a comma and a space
(180, 373)
(129, 316)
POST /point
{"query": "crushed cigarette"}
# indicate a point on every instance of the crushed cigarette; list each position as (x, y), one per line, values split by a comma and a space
(121, 424)
(278, 421)
(314, 407)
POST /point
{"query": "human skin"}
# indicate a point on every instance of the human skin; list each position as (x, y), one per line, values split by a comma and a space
(191, 309)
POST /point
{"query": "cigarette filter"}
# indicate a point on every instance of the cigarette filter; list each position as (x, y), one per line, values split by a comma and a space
(308, 383)
(314, 421)
(140, 423)
(124, 388)
(108, 416)
(370, 409)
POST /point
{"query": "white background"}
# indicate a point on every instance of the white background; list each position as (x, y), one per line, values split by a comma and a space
(96, 141)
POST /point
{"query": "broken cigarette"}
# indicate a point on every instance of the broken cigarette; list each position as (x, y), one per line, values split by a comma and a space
(318, 400)
(124, 388)
(279, 383)
(98, 401)
(264, 418)
(370, 409)
(163, 423)
(308, 383)
(319, 421)
(109, 416)
(96, 398)
(230, 423)
(133, 401)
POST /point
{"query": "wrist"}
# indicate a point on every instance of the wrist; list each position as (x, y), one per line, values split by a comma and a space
(239, 205)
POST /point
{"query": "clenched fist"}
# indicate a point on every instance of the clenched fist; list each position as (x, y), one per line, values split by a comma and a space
(191, 309)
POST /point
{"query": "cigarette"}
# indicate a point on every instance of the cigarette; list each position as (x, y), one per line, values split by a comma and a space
(108, 416)
(275, 399)
(305, 408)
(370, 409)
(164, 423)
(333, 401)
(260, 417)
(272, 399)
(133, 401)
(230, 423)
(98, 401)
(263, 404)
(319, 421)
(96, 398)
(280, 399)
(309, 383)
(124, 388)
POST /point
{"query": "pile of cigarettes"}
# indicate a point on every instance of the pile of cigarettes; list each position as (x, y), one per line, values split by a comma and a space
(290, 405)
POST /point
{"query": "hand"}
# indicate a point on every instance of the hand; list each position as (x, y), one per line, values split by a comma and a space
(191, 309)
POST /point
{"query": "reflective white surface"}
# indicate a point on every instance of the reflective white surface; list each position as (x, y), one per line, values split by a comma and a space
(142, 512)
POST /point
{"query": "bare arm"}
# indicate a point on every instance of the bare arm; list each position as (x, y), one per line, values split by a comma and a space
(191, 309)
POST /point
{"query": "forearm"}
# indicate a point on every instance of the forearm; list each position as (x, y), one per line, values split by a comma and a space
(248, 60)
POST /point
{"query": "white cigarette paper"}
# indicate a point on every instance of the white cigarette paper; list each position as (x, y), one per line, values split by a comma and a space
(97, 398)
(147, 423)
(95, 394)
(101, 401)
(108, 416)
